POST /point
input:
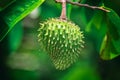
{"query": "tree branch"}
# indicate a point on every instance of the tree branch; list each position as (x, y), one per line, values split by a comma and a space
(86, 5)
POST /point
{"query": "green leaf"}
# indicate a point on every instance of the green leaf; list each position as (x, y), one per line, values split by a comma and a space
(114, 19)
(5, 3)
(107, 50)
(111, 45)
(114, 30)
(116, 44)
(16, 12)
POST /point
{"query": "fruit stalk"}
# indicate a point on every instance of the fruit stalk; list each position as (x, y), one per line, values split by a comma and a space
(63, 12)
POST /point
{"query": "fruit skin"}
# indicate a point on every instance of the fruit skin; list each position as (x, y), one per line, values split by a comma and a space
(62, 40)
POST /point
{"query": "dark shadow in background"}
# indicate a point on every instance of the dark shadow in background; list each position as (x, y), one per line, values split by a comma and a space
(110, 70)
(4, 52)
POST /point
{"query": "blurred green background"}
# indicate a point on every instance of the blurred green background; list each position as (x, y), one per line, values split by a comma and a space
(22, 59)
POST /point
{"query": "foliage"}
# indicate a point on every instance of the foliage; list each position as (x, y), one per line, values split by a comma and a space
(111, 41)
(102, 39)
(14, 13)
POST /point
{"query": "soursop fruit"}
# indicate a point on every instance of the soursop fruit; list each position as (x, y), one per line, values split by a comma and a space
(62, 40)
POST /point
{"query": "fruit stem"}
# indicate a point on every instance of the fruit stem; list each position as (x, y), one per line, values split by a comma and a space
(63, 12)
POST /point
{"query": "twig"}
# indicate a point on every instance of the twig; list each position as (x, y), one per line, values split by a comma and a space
(86, 5)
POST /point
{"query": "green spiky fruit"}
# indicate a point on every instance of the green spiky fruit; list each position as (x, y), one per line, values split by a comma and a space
(62, 40)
